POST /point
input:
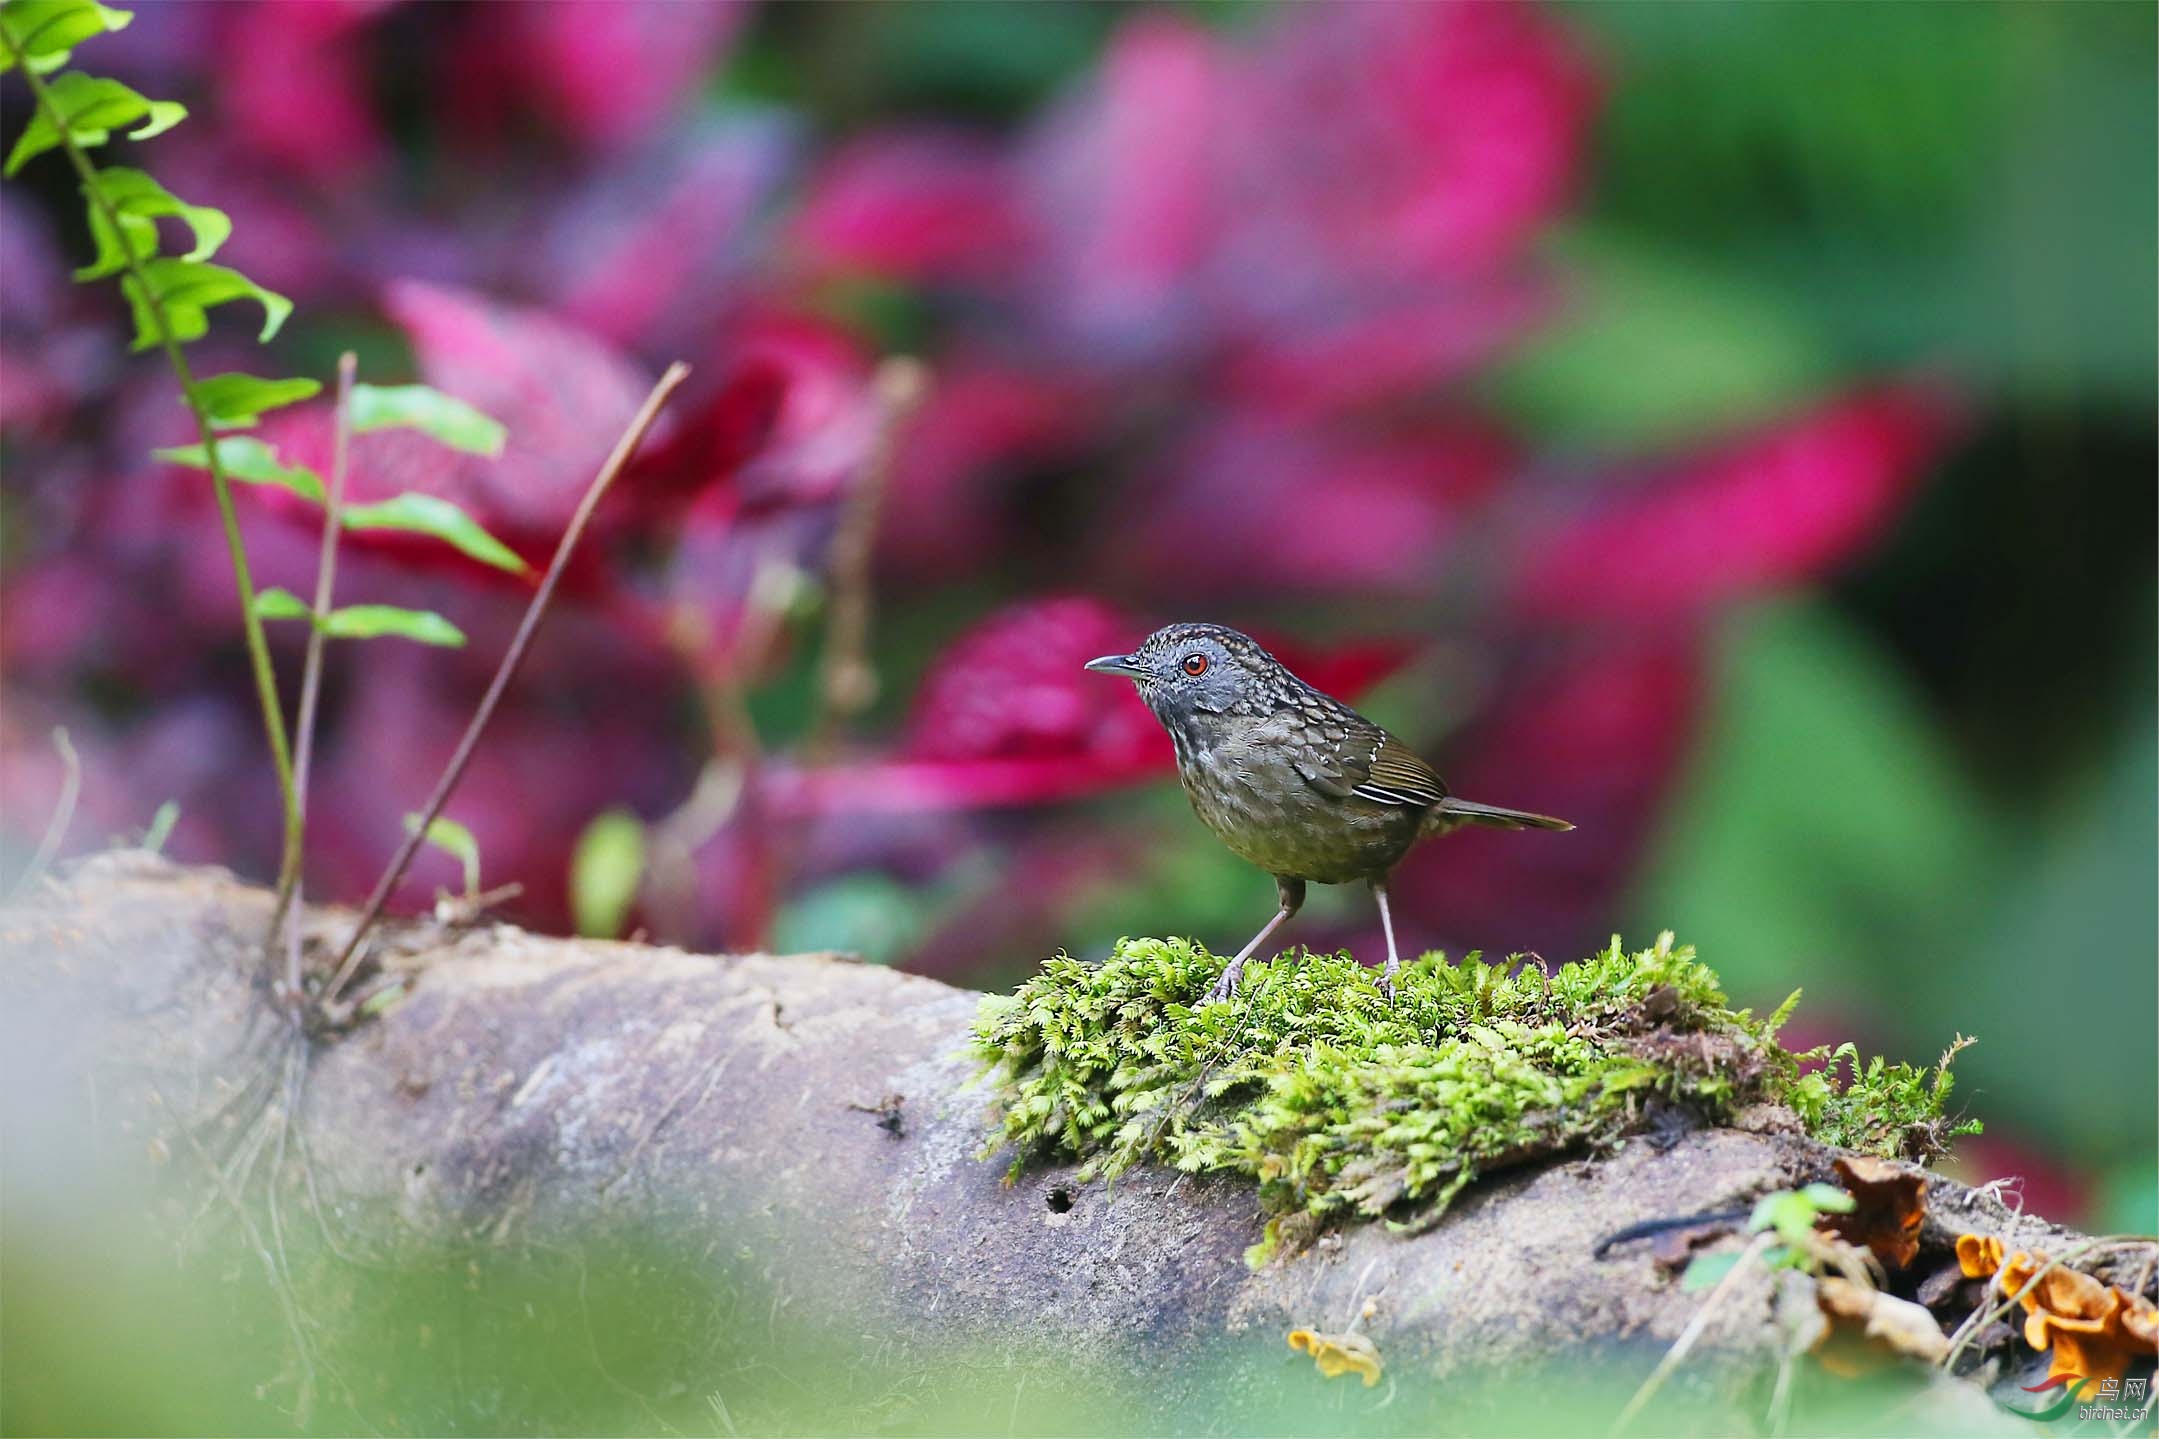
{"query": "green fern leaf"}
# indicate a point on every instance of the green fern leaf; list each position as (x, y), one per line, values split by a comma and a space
(91, 108)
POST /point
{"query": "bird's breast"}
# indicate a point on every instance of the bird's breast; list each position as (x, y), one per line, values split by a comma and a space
(1256, 801)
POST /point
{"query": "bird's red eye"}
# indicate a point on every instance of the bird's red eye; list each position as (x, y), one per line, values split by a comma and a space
(1195, 665)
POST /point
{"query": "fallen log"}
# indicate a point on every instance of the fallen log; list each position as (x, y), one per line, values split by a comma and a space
(803, 1130)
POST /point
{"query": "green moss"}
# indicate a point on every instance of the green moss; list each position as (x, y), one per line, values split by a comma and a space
(1892, 1110)
(1344, 1104)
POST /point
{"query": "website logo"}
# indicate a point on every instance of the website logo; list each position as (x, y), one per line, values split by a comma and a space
(2110, 1401)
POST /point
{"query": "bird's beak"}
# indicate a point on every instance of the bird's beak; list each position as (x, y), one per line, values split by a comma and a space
(1115, 665)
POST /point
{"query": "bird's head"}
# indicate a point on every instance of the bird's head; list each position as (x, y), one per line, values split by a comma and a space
(1184, 668)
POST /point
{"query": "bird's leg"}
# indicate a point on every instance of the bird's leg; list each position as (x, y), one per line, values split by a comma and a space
(1227, 984)
(1291, 893)
(1386, 922)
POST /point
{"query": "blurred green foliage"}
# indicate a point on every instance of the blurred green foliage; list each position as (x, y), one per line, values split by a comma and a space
(871, 915)
(1655, 349)
(105, 1333)
(1929, 796)
(1911, 178)
(1827, 831)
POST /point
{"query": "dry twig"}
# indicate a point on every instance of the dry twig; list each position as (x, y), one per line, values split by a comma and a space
(847, 680)
(504, 672)
(1692, 1334)
(63, 815)
(303, 743)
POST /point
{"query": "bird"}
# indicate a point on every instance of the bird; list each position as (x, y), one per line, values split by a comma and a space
(1290, 779)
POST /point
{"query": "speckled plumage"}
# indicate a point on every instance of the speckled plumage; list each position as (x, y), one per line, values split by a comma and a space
(1292, 780)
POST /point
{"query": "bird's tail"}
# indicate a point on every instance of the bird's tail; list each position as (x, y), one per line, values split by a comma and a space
(1451, 811)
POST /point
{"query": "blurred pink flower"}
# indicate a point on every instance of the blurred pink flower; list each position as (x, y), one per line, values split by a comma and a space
(1763, 510)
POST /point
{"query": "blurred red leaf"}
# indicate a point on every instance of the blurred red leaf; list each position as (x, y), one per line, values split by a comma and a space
(1364, 250)
(302, 98)
(917, 205)
(543, 773)
(1007, 715)
(603, 71)
(826, 418)
(652, 250)
(1315, 511)
(564, 399)
(1768, 509)
(563, 396)
(807, 386)
(983, 426)
(1388, 347)
(1012, 687)
(1595, 739)
(715, 441)
(1125, 188)
(1414, 140)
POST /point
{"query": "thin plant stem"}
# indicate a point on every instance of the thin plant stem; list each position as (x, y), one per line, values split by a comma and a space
(63, 814)
(258, 648)
(730, 785)
(1692, 1334)
(303, 730)
(454, 771)
(847, 680)
(847, 676)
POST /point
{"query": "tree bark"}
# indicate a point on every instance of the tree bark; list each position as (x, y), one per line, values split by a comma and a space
(815, 1117)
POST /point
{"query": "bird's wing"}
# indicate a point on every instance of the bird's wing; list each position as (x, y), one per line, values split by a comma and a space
(1398, 777)
(1368, 763)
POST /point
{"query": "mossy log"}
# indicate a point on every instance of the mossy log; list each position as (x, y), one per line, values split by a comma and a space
(818, 1120)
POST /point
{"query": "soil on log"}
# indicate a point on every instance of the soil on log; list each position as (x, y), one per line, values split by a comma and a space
(811, 1122)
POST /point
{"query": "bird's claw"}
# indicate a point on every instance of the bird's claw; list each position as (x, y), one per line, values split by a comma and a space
(1226, 986)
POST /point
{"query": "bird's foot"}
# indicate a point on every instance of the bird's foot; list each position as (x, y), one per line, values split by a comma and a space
(1227, 984)
(1386, 978)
